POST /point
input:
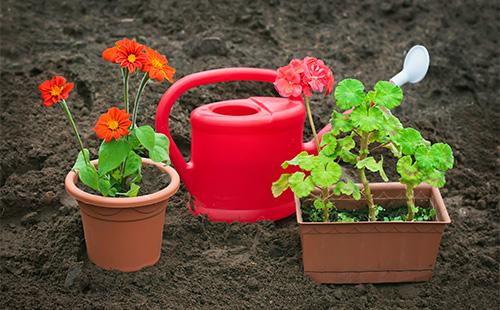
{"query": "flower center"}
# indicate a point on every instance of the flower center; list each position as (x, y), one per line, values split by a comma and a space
(113, 124)
(56, 90)
(131, 58)
(157, 64)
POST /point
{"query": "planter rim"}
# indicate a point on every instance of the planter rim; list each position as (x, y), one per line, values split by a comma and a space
(442, 214)
(126, 202)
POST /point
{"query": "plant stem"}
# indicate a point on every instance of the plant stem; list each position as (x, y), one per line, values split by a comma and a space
(410, 202)
(311, 122)
(326, 212)
(363, 152)
(125, 88)
(64, 106)
(144, 81)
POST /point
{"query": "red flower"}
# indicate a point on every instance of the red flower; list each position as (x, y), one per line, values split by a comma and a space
(128, 53)
(316, 76)
(55, 90)
(113, 124)
(288, 82)
(157, 66)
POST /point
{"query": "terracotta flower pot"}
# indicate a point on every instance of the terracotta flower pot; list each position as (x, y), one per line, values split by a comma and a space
(124, 233)
(374, 252)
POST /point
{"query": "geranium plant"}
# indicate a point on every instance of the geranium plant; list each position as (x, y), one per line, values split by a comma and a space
(319, 175)
(124, 143)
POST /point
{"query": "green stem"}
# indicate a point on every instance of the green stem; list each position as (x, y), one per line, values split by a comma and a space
(125, 76)
(410, 202)
(144, 81)
(311, 122)
(64, 106)
(363, 153)
(326, 212)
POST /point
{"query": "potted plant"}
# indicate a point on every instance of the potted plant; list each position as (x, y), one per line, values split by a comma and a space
(393, 233)
(123, 230)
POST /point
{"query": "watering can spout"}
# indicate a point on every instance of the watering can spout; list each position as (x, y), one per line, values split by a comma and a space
(415, 66)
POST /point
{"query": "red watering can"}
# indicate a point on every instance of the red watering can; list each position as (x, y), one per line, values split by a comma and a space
(237, 148)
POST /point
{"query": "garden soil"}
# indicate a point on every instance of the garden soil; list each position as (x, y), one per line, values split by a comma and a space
(243, 266)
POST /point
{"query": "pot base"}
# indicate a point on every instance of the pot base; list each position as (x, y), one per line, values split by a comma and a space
(282, 211)
(356, 277)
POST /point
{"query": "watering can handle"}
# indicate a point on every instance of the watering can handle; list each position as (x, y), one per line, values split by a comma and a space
(194, 80)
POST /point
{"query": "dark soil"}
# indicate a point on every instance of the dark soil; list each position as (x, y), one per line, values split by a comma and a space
(255, 266)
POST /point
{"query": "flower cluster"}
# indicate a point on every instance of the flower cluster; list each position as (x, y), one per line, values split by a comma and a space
(134, 56)
(302, 77)
(119, 160)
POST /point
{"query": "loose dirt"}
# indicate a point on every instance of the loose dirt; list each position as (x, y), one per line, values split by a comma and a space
(249, 266)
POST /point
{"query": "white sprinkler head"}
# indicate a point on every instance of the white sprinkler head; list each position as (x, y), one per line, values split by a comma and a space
(415, 66)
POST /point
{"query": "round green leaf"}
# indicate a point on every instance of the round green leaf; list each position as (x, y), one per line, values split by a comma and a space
(349, 93)
(443, 156)
(367, 119)
(387, 94)
(408, 139)
(340, 123)
(301, 186)
(326, 175)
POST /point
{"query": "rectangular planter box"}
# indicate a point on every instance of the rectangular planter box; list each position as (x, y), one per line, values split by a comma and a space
(374, 252)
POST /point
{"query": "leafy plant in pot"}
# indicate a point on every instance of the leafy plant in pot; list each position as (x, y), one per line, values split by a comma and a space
(393, 233)
(123, 230)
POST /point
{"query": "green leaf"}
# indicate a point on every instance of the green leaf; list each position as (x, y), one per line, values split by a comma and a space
(345, 217)
(133, 191)
(105, 187)
(159, 154)
(387, 94)
(348, 157)
(132, 139)
(340, 123)
(435, 178)
(112, 154)
(162, 140)
(371, 164)
(280, 185)
(349, 93)
(443, 156)
(367, 119)
(133, 164)
(326, 175)
(439, 156)
(329, 143)
(304, 160)
(88, 175)
(347, 143)
(348, 188)
(408, 171)
(301, 186)
(80, 160)
(408, 139)
(146, 136)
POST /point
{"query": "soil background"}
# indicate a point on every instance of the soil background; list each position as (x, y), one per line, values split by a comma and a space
(243, 266)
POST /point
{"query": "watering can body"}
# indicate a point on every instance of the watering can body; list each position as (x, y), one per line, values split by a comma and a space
(237, 148)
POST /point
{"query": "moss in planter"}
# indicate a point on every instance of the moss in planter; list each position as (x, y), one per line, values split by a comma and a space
(389, 214)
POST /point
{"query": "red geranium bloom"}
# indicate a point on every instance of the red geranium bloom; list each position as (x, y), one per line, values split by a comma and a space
(112, 124)
(288, 81)
(316, 76)
(55, 90)
(157, 66)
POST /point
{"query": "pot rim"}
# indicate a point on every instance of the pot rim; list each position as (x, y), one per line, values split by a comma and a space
(126, 202)
(441, 212)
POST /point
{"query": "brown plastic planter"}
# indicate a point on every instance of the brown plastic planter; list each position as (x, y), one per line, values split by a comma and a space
(124, 233)
(374, 252)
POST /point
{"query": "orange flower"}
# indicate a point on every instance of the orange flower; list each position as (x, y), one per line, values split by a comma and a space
(113, 124)
(157, 66)
(55, 90)
(109, 54)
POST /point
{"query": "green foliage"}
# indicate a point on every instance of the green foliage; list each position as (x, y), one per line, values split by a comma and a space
(349, 93)
(119, 162)
(367, 119)
(387, 94)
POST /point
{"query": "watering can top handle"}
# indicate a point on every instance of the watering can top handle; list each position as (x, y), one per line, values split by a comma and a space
(198, 79)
